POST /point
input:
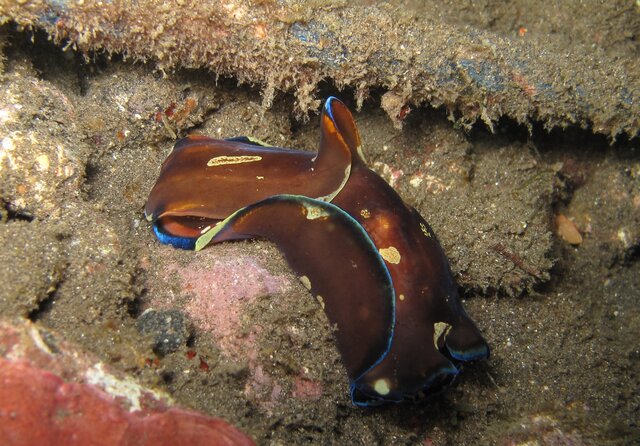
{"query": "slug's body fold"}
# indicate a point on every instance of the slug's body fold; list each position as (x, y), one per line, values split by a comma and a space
(302, 227)
(204, 180)
(373, 261)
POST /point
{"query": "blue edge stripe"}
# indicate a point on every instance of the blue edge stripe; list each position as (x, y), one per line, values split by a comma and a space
(176, 242)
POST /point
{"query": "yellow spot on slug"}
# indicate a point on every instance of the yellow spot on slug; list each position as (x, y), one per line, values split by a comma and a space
(381, 386)
(440, 329)
(259, 177)
(401, 297)
(424, 230)
(320, 301)
(314, 212)
(224, 160)
(390, 254)
(306, 282)
(365, 213)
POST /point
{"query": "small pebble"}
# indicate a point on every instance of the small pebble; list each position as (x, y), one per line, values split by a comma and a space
(568, 230)
(167, 329)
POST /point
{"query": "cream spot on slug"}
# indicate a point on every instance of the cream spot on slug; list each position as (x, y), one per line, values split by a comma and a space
(390, 254)
(225, 160)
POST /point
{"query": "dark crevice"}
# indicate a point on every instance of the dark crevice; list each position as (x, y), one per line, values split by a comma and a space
(19, 215)
(8, 213)
(52, 61)
(134, 306)
(91, 171)
(168, 377)
(44, 306)
(630, 255)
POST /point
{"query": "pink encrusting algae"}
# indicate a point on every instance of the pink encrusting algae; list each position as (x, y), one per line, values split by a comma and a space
(221, 290)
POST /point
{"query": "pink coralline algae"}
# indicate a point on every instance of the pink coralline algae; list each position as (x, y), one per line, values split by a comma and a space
(222, 289)
(51, 394)
(219, 292)
(307, 389)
